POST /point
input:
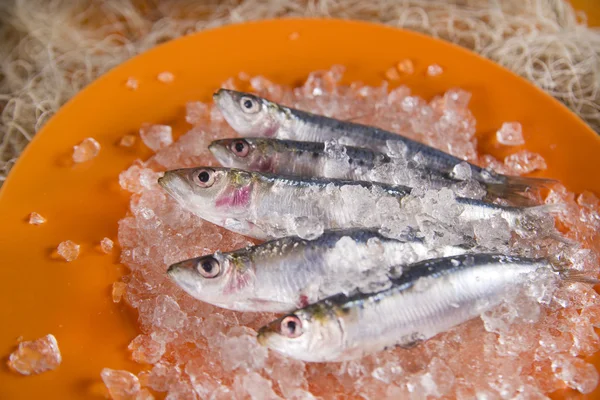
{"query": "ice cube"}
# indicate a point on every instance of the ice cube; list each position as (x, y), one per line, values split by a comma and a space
(434, 70)
(576, 373)
(106, 245)
(36, 356)
(68, 250)
(254, 385)
(392, 74)
(132, 84)
(86, 150)
(168, 315)
(524, 162)
(196, 112)
(166, 77)
(122, 385)
(163, 376)
(156, 136)
(510, 134)
(36, 219)
(118, 289)
(406, 66)
(462, 171)
(242, 351)
(145, 349)
(588, 200)
(127, 141)
(137, 178)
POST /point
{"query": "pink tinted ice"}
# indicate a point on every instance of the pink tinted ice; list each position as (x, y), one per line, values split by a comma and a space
(166, 77)
(68, 250)
(122, 385)
(36, 356)
(434, 70)
(524, 162)
(132, 83)
(86, 150)
(118, 289)
(36, 219)
(510, 134)
(156, 137)
(127, 141)
(209, 352)
(106, 245)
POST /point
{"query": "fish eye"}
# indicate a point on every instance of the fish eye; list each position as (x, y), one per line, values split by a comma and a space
(249, 105)
(204, 177)
(291, 326)
(240, 148)
(209, 267)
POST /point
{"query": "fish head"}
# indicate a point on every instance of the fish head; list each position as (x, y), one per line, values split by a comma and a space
(247, 114)
(210, 192)
(304, 335)
(254, 154)
(217, 278)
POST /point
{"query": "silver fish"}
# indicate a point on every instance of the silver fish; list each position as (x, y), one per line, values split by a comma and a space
(251, 115)
(285, 274)
(292, 157)
(267, 206)
(429, 298)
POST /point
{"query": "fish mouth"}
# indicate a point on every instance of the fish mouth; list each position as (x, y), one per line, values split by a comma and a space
(174, 183)
(172, 270)
(223, 96)
(262, 337)
(182, 273)
(220, 152)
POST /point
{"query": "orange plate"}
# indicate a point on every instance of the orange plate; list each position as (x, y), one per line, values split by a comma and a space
(40, 294)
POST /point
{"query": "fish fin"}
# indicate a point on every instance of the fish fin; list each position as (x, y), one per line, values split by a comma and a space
(571, 275)
(526, 184)
(513, 194)
(553, 208)
(515, 188)
(564, 269)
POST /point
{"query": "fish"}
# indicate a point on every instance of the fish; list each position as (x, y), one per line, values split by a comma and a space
(429, 298)
(254, 116)
(267, 206)
(288, 273)
(318, 159)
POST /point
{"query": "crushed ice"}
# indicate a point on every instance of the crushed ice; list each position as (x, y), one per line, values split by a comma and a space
(528, 347)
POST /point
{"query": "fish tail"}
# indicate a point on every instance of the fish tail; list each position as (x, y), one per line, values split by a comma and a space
(553, 208)
(526, 184)
(513, 194)
(577, 276)
(565, 271)
(516, 188)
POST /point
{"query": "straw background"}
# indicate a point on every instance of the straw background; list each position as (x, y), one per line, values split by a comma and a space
(50, 49)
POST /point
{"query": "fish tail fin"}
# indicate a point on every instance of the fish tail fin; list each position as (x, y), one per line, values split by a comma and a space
(553, 208)
(565, 271)
(526, 184)
(577, 276)
(516, 188)
(513, 194)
